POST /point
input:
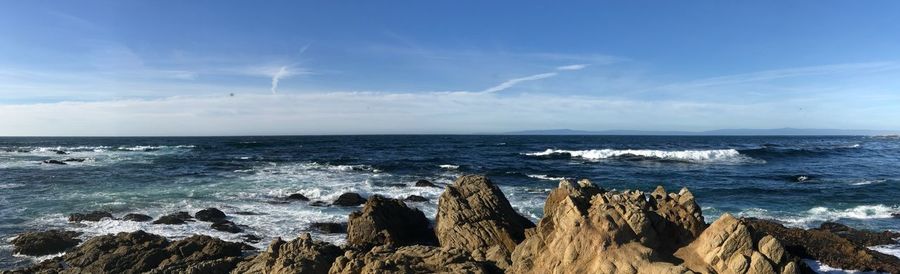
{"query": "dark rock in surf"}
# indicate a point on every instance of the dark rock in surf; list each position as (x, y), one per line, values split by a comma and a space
(94, 216)
(415, 198)
(247, 213)
(225, 225)
(425, 183)
(74, 160)
(328, 227)
(54, 162)
(297, 197)
(45, 242)
(349, 199)
(135, 217)
(210, 215)
(302, 255)
(861, 237)
(250, 238)
(60, 152)
(319, 204)
(396, 185)
(174, 219)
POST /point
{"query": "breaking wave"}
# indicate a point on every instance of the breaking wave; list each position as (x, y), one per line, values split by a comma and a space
(694, 156)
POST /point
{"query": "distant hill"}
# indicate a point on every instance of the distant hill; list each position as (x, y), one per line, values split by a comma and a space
(718, 132)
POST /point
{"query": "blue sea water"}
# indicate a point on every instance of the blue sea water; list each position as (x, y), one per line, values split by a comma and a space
(801, 181)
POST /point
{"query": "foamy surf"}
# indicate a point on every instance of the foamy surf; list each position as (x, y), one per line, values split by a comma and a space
(817, 215)
(696, 156)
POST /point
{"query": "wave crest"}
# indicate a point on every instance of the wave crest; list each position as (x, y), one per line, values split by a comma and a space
(696, 156)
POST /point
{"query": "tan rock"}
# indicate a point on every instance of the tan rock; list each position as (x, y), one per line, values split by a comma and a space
(407, 259)
(473, 215)
(728, 246)
(388, 221)
(301, 256)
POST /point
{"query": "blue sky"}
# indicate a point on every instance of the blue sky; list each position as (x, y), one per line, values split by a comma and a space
(336, 67)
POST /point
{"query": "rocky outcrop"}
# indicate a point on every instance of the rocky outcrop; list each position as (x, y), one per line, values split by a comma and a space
(587, 230)
(93, 216)
(385, 221)
(45, 242)
(349, 199)
(827, 247)
(135, 217)
(861, 237)
(408, 259)
(474, 215)
(140, 252)
(210, 215)
(297, 197)
(329, 227)
(174, 219)
(730, 246)
(302, 255)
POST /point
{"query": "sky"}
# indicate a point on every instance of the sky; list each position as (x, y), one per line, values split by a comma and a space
(127, 68)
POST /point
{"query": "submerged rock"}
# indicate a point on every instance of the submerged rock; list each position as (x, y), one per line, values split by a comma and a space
(135, 217)
(385, 221)
(210, 215)
(302, 255)
(297, 197)
(827, 247)
(226, 226)
(54, 162)
(349, 199)
(425, 183)
(473, 215)
(408, 259)
(318, 204)
(331, 228)
(93, 216)
(45, 242)
(730, 246)
(74, 160)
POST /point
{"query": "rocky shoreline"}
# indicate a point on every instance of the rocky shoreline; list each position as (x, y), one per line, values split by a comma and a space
(585, 229)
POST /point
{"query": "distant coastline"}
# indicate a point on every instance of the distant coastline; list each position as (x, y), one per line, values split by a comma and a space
(717, 132)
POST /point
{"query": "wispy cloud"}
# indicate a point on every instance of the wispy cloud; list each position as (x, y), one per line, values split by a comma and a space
(282, 73)
(769, 75)
(573, 67)
(512, 82)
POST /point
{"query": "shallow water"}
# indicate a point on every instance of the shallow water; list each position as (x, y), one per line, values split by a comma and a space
(801, 181)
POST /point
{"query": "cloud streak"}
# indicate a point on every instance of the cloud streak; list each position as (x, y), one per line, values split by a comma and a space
(515, 81)
(281, 73)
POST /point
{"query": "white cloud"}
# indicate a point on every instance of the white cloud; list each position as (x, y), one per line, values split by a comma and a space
(512, 82)
(573, 67)
(282, 73)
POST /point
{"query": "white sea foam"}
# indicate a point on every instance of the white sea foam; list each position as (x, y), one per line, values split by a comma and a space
(449, 167)
(545, 177)
(11, 185)
(821, 268)
(893, 250)
(699, 156)
(816, 215)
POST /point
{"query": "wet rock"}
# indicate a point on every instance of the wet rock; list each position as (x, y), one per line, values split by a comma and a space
(861, 237)
(247, 213)
(210, 215)
(250, 238)
(349, 199)
(331, 228)
(93, 216)
(587, 230)
(408, 259)
(140, 252)
(302, 255)
(425, 183)
(54, 162)
(729, 245)
(319, 204)
(827, 247)
(174, 219)
(473, 215)
(135, 217)
(297, 197)
(45, 242)
(226, 226)
(60, 152)
(396, 185)
(385, 221)
(415, 198)
(74, 160)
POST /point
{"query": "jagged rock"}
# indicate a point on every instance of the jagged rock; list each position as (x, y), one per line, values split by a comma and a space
(326, 227)
(415, 198)
(730, 245)
(408, 259)
(45, 242)
(226, 226)
(349, 199)
(301, 255)
(425, 183)
(473, 215)
(210, 215)
(682, 220)
(174, 219)
(385, 221)
(586, 230)
(827, 247)
(861, 237)
(140, 252)
(94, 216)
(54, 162)
(297, 197)
(135, 217)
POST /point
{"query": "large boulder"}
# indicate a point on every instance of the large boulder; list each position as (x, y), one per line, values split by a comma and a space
(211, 214)
(302, 256)
(587, 230)
(349, 199)
(386, 221)
(93, 216)
(45, 242)
(730, 245)
(140, 252)
(473, 215)
(408, 259)
(828, 247)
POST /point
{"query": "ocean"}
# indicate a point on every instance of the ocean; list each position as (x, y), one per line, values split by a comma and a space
(801, 181)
